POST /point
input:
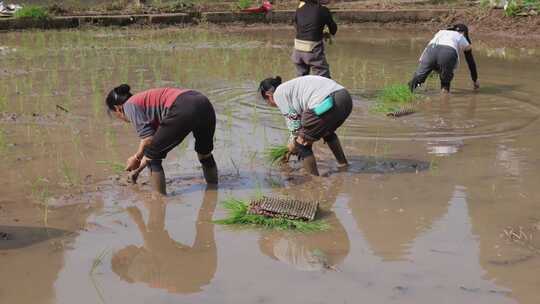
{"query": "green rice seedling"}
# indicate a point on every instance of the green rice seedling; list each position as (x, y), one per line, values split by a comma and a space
(392, 98)
(114, 166)
(434, 166)
(237, 215)
(33, 12)
(3, 104)
(276, 153)
(98, 260)
(40, 191)
(3, 142)
(110, 137)
(69, 174)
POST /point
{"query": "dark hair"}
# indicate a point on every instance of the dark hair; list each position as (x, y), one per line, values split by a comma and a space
(269, 85)
(460, 27)
(118, 96)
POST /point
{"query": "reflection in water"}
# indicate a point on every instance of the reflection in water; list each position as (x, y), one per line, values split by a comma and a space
(393, 212)
(164, 263)
(311, 251)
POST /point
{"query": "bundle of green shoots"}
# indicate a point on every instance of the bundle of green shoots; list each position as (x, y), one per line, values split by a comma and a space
(238, 215)
(393, 98)
(276, 153)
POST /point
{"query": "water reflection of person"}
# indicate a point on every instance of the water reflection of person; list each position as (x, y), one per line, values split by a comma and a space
(165, 263)
(442, 55)
(391, 214)
(311, 251)
(163, 117)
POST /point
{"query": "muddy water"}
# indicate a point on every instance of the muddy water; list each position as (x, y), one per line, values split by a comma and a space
(440, 206)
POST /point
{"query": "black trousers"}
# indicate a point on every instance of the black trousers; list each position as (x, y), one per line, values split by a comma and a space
(311, 62)
(440, 58)
(191, 112)
(315, 127)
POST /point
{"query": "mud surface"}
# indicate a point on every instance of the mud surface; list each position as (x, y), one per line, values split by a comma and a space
(438, 206)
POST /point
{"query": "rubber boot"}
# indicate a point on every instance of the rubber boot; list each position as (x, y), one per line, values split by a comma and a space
(157, 179)
(209, 168)
(210, 175)
(335, 147)
(310, 165)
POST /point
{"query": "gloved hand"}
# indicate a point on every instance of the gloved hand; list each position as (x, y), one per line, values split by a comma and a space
(327, 37)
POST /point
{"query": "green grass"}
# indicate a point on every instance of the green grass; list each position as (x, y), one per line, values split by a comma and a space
(237, 215)
(392, 98)
(517, 7)
(243, 4)
(32, 12)
(276, 153)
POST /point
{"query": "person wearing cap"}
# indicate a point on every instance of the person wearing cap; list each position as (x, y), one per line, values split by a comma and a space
(314, 107)
(163, 117)
(310, 20)
(442, 55)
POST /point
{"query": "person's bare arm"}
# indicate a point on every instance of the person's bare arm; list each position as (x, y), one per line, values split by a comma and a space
(135, 160)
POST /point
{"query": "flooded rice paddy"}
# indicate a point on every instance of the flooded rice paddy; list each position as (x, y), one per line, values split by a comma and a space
(439, 206)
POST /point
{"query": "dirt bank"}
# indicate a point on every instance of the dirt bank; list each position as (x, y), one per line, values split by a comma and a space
(516, 31)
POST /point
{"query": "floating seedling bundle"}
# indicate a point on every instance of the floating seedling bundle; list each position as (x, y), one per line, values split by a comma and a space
(395, 101)
(274, 213)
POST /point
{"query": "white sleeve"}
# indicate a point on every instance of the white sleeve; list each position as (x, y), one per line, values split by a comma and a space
(463, 43)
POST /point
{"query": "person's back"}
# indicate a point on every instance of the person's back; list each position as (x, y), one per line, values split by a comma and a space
(308, 55)
(310, 20)
(452, 39)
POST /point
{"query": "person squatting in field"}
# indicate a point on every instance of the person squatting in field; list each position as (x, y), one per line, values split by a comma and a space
(163, 117)
(442, 55)
(314, 107)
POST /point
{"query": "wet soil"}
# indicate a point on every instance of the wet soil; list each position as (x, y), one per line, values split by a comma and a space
(437, 206)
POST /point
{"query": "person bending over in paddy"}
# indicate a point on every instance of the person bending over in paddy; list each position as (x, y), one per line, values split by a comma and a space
(163, 117)
(314, 107)
(442, 55)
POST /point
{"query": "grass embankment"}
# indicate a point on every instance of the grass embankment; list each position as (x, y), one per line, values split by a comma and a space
(393, 98)
(238, 215)
(32, 12)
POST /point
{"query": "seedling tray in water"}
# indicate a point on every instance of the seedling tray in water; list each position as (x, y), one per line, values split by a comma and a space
(284, 208)
(273, 213)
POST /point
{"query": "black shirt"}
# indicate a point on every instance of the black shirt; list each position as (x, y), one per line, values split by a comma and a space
(310, 20)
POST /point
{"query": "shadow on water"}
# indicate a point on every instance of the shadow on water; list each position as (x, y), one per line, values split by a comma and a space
(381, 165)
(16, 237)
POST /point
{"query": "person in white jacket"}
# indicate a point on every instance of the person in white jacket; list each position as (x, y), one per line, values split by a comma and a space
(313, 107)
(442, 55)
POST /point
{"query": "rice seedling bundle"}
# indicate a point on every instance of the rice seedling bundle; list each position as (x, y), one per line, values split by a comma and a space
(242, 213)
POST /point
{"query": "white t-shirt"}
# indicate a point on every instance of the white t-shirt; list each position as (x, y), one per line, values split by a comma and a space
(453, 39)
